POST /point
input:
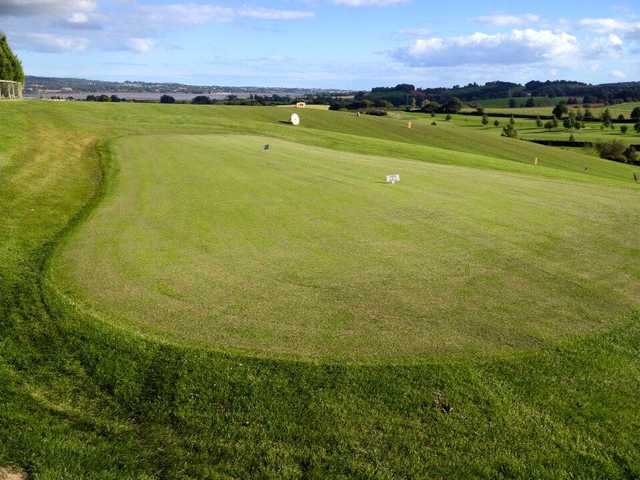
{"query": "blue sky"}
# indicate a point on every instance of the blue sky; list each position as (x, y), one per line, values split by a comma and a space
(349, 44)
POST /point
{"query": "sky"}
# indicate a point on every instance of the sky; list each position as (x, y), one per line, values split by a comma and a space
(344, 44)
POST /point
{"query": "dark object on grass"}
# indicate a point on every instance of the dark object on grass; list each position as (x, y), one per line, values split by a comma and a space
(267, 147)
(636, 177)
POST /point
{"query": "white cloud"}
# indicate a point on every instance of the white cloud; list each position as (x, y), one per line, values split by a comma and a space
(501, 20)
(140, 45)
(369, 3)
(605, 25)
(619, 74)
(271, 14)
(49, 43)
(198, 14)
(44, 7)
(515, 47)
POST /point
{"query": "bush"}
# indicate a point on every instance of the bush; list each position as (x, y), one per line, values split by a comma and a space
(624, 129)
(617, 151)
(496, 123)
(201, 100)
(167, 99)
(377, 113)
(510, 131)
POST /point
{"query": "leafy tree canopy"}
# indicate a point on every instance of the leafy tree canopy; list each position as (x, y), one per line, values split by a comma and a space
(10, 65)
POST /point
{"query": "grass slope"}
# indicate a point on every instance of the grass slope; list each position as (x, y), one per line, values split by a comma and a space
(303, 251)
(80, 399)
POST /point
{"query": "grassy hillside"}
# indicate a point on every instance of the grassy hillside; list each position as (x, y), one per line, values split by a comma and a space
(528, 130)
(86, 398)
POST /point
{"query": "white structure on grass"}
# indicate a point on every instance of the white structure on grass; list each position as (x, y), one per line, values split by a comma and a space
(295, 119)
(10, 90)
(393, 179)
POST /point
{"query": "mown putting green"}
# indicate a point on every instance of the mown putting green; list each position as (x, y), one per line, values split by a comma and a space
(305, 252)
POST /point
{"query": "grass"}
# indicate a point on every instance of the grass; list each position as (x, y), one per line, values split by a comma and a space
(88, 399)
(302, 251)
(546, 109)
(528, 130)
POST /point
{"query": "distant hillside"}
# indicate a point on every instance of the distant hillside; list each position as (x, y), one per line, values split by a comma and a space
(36, 85)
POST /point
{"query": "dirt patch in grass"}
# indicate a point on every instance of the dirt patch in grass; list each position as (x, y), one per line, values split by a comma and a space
(12, 473)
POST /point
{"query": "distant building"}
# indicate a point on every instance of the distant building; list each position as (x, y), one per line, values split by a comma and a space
(301, 105)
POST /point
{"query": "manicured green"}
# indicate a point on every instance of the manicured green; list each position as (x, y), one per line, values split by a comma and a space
(86, 397)
(306, 252)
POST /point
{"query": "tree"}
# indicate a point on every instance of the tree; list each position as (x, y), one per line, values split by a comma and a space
(587, 114)
(531, 102)
(167, 99)
(554, 122)
(496, 123)
(10, 65)
(624, 129)
(618, 151)
(201, 100)
(635, 114)
(453, 105)
(431, 107)
(612, 150)
(538, 122)
(485, 120)
(512, 121)
(448, 117)
(572, 138)
(548, 125)
(636, 127)
(510, 131)
(512, 103)
(560, 109)
(621, 117)
(567, 123)
(606, 117)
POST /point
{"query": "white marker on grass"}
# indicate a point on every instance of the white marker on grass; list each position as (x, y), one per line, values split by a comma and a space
(295, 119)
(393, 179)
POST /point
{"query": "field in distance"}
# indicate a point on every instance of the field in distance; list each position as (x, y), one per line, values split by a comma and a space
(305, 252)
(545, 107)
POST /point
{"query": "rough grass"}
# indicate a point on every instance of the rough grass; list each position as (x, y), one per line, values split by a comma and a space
(80, 399)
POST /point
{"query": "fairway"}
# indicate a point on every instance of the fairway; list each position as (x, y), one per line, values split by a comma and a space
(305, 252)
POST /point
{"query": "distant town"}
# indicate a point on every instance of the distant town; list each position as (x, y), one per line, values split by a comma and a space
(48, 87)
